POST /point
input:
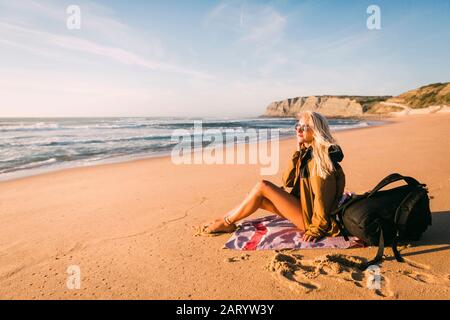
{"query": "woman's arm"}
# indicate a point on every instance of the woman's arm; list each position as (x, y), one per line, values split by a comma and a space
(289, 173)
(324, 191)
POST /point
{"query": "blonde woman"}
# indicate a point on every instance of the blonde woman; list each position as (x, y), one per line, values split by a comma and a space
(315, 178)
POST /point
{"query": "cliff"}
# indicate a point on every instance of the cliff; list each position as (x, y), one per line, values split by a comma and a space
(330, 106)
(435, 96)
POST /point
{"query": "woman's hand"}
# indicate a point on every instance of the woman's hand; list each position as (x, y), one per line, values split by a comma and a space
(309, 238)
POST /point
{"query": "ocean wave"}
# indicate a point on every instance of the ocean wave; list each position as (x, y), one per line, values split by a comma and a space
(46, 143)
(142, 124)
(350, 126)
(30, 165)
(39, 126)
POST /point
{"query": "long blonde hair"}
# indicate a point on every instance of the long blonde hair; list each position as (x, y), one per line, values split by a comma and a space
(321, 142)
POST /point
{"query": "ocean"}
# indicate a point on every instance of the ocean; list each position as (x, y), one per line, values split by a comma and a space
(30, 145)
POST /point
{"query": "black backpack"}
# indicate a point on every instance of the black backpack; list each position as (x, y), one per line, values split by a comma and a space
(382, 218)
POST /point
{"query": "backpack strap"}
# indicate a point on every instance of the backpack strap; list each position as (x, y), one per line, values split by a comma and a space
(380, 252)
(349, 202)
(393, 178)
(379, 255)
(340, 225)
(397, 254)
(337, 214)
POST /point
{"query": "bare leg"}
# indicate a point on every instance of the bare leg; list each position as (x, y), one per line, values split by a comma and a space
(267, 205)
(268, 196)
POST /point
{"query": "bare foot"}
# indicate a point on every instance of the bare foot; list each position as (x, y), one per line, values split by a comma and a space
(219, 226)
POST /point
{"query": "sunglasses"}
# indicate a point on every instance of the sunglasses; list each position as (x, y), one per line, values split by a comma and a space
(303, 128)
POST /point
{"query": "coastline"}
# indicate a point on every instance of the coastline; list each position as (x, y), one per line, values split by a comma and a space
(128, 226)
(131, 158)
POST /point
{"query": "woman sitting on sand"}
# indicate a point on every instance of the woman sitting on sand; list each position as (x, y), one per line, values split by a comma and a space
(315, 176)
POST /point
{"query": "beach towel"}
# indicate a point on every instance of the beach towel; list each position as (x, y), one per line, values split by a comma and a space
(273, 232)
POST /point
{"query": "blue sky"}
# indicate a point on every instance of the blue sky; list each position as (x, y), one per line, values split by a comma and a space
(211, 58)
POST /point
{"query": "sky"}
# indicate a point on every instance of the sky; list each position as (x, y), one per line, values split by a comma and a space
(201, 58)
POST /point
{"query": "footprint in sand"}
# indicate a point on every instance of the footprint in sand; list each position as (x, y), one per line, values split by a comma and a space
(421, 277)
(422, 273)
(304, 275)
(242, 257)
(199, 231)
(416, 265)
(286, 266)
(417, 273)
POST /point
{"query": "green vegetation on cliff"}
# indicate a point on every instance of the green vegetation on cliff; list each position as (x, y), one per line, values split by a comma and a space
(430, 95)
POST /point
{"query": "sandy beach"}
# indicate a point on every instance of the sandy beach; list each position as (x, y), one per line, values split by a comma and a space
(128, 226)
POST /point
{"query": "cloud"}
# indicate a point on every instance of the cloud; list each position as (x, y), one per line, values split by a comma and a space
(31, 49)
(23, 22)
(29, 10)
(97, 20)
(266, 25)
(251, 23)
(85, 46)
(214, 13)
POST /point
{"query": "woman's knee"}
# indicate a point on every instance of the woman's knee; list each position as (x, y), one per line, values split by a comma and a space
(262, 186)
(258, 186)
